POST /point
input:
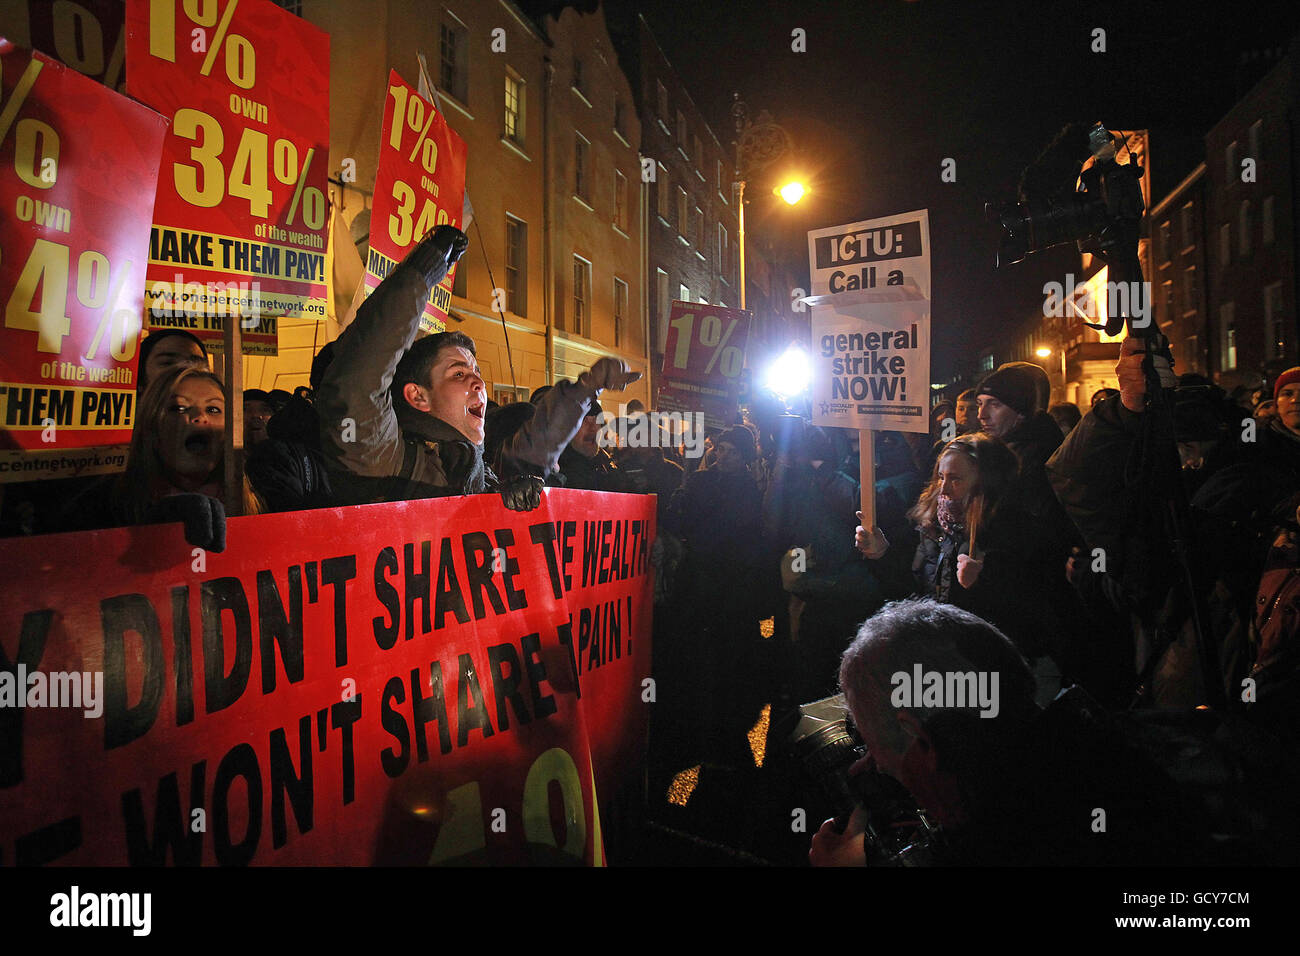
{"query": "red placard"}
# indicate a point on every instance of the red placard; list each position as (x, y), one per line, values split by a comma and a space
(241, 220)
(87, 35)
(420, 184)
(77, 169)
(704, 357)
(424, 681)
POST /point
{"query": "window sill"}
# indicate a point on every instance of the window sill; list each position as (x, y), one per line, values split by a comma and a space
(580, 95)
(515, 148)
(614, 226)
(683, 240)
(621, 138)
(664, 126)
(583, 203)
(449, 98)
(682, 153)
(660, 217)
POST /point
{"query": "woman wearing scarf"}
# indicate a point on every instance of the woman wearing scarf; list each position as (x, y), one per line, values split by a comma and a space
(980, 551)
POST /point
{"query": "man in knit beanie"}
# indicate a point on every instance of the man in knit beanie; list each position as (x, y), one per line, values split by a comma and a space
(1286, 397)
(1011, 395)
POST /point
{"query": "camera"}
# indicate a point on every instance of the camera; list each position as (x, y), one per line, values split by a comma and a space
(826, 745)
(1103, 215)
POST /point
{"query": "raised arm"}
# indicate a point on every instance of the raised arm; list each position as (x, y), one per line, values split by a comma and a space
(358, 427)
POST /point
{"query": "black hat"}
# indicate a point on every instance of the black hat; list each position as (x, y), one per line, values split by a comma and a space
(1016, 385)
(742, 439)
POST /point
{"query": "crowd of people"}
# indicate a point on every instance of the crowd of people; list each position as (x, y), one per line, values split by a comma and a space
(1037, 538)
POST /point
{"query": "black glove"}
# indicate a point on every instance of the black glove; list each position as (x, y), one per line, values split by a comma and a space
(522, 492)
(204, 517)
(437, 252)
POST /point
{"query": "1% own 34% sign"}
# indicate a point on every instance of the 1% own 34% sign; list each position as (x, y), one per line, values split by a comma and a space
(46, 272)
(205, 182)
(403, 226)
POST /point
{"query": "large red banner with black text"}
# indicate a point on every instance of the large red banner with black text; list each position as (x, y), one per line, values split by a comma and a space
(78, 164)
(241, 221)
(438, 681)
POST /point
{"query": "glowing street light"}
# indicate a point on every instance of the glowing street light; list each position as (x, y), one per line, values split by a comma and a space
(790, 374)
(791, 192)
(1043, 352)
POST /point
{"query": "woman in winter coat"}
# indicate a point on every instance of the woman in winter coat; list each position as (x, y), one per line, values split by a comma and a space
(1002, 578)
(175, 467)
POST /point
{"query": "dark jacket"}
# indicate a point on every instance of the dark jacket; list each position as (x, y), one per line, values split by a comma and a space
(1015, 585)
(398, 452)
(288, 469)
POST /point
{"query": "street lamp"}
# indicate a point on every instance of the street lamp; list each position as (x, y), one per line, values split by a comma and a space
(1044, 352)
(791, 192)
(758, 145)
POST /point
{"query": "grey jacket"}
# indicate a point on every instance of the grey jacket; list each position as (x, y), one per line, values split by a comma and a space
(399, 453)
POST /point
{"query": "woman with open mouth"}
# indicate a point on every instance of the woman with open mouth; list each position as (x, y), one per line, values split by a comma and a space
(177, 452)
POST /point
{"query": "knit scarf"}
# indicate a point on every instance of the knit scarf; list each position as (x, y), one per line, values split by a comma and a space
(462, 461)
(951, 516)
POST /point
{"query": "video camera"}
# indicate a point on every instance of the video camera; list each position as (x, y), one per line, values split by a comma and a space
(1103, 214)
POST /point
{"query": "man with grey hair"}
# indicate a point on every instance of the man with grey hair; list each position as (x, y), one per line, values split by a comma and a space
(1011, 784)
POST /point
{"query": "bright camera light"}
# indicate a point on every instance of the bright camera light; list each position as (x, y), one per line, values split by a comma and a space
(790, 374)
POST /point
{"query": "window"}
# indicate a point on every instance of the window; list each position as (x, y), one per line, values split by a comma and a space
(1225, 245)
(1243, 229)
(620, 119)
(581, 180)
(699, 157)
(681, 212)
(581, 296)
(1227, 337)
(1266, 216)
(1166, 250)
(724, 253)
(700, 245)
(1255, 129)
(664, 301)
(620, 200)
(1187, 218)
(684, 293)
(460, 281)
(620, 310)
(1231, 172)
(722, 193)
(663, 191)
(452, 66)
(1191, 299)
(516, 266)
(578, 79)
(681, 131)
(514, 118)
(1168, 288)
(661, 103)
(1274, 324)
(1192, 354)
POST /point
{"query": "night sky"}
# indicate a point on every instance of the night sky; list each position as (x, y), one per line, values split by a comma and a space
(889, 88)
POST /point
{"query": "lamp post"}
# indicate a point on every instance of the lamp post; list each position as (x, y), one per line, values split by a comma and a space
(758, 145)
(1045, 352)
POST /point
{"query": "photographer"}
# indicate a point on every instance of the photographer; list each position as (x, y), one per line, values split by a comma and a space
(1010, 784)
(1239, 495)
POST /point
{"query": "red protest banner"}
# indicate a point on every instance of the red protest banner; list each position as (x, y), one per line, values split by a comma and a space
(420, 184)
(704, 357)
(77, 169)
(241, 219)
(87, 35)
(330, 689)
